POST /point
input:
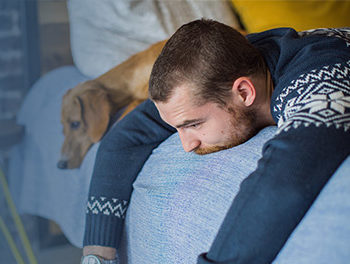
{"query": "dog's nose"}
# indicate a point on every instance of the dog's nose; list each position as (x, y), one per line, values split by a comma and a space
(62, 164)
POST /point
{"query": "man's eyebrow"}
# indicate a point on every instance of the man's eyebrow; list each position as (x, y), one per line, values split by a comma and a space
(189, 122)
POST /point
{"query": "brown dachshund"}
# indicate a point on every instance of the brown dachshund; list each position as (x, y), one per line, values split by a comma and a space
(88, 107)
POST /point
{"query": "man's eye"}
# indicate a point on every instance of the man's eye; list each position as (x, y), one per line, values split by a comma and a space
(74, 125)
(195, 125)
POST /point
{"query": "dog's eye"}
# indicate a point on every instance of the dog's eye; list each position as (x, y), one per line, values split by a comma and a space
(74, 124)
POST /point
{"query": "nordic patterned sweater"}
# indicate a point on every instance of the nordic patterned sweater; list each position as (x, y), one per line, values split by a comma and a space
(311, 105)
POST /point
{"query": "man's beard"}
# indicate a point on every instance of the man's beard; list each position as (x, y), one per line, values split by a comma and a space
(243, 127)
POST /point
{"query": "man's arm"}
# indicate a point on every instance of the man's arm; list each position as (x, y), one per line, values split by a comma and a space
(120, 157)
(271, 202)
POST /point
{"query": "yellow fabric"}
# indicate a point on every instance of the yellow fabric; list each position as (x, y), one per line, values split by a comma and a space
(261, 15)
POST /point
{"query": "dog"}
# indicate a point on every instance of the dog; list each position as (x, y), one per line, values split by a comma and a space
(88, 108)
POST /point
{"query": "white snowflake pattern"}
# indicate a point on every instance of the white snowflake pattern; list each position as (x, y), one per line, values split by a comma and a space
(322, 97)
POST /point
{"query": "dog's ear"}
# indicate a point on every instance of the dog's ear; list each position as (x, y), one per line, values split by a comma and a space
(95, 111)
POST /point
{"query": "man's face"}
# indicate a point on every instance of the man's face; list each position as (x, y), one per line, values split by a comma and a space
(206, 128)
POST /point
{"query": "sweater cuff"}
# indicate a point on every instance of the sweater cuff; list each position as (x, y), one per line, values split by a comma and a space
(104, 221)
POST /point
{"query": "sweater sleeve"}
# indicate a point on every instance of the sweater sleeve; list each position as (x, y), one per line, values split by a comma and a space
(313, 139)
(120, 157)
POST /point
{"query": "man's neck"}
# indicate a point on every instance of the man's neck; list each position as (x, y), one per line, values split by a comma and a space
(269, 85)
(269, 91)
(264, 109)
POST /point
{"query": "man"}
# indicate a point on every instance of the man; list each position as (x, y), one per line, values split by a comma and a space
(218, 89)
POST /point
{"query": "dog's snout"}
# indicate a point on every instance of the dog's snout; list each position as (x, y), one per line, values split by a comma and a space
(62, 164)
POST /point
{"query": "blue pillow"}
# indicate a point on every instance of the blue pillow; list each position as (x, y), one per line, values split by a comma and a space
(180, 199)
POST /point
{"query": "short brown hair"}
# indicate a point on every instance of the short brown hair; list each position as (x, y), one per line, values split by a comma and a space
(207, 55)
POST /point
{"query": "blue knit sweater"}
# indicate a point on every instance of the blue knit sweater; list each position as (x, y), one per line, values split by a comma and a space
(310, 104)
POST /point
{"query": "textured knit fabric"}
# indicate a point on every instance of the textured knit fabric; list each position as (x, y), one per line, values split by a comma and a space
(179, 203)
(180, 199)
(296, 163)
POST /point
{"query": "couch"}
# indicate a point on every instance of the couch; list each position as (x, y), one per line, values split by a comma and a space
(179, 199)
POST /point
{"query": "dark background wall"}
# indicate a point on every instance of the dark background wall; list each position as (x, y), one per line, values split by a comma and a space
(34, 39)
(12, 76)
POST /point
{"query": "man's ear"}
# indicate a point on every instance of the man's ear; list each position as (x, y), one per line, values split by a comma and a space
(244, 89)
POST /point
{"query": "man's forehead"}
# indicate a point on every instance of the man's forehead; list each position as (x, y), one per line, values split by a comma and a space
(183, 113)
(173, 110)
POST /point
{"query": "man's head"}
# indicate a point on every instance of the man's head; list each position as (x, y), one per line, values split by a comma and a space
(204, 84)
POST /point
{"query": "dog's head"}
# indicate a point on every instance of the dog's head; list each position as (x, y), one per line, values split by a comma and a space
(85, 117)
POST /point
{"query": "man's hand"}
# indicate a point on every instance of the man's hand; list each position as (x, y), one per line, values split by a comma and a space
(108, 253)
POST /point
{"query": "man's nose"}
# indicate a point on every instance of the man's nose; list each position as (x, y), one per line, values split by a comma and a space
(189, 142)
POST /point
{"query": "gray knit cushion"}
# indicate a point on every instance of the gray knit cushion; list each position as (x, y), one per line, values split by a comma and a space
(180, 199)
